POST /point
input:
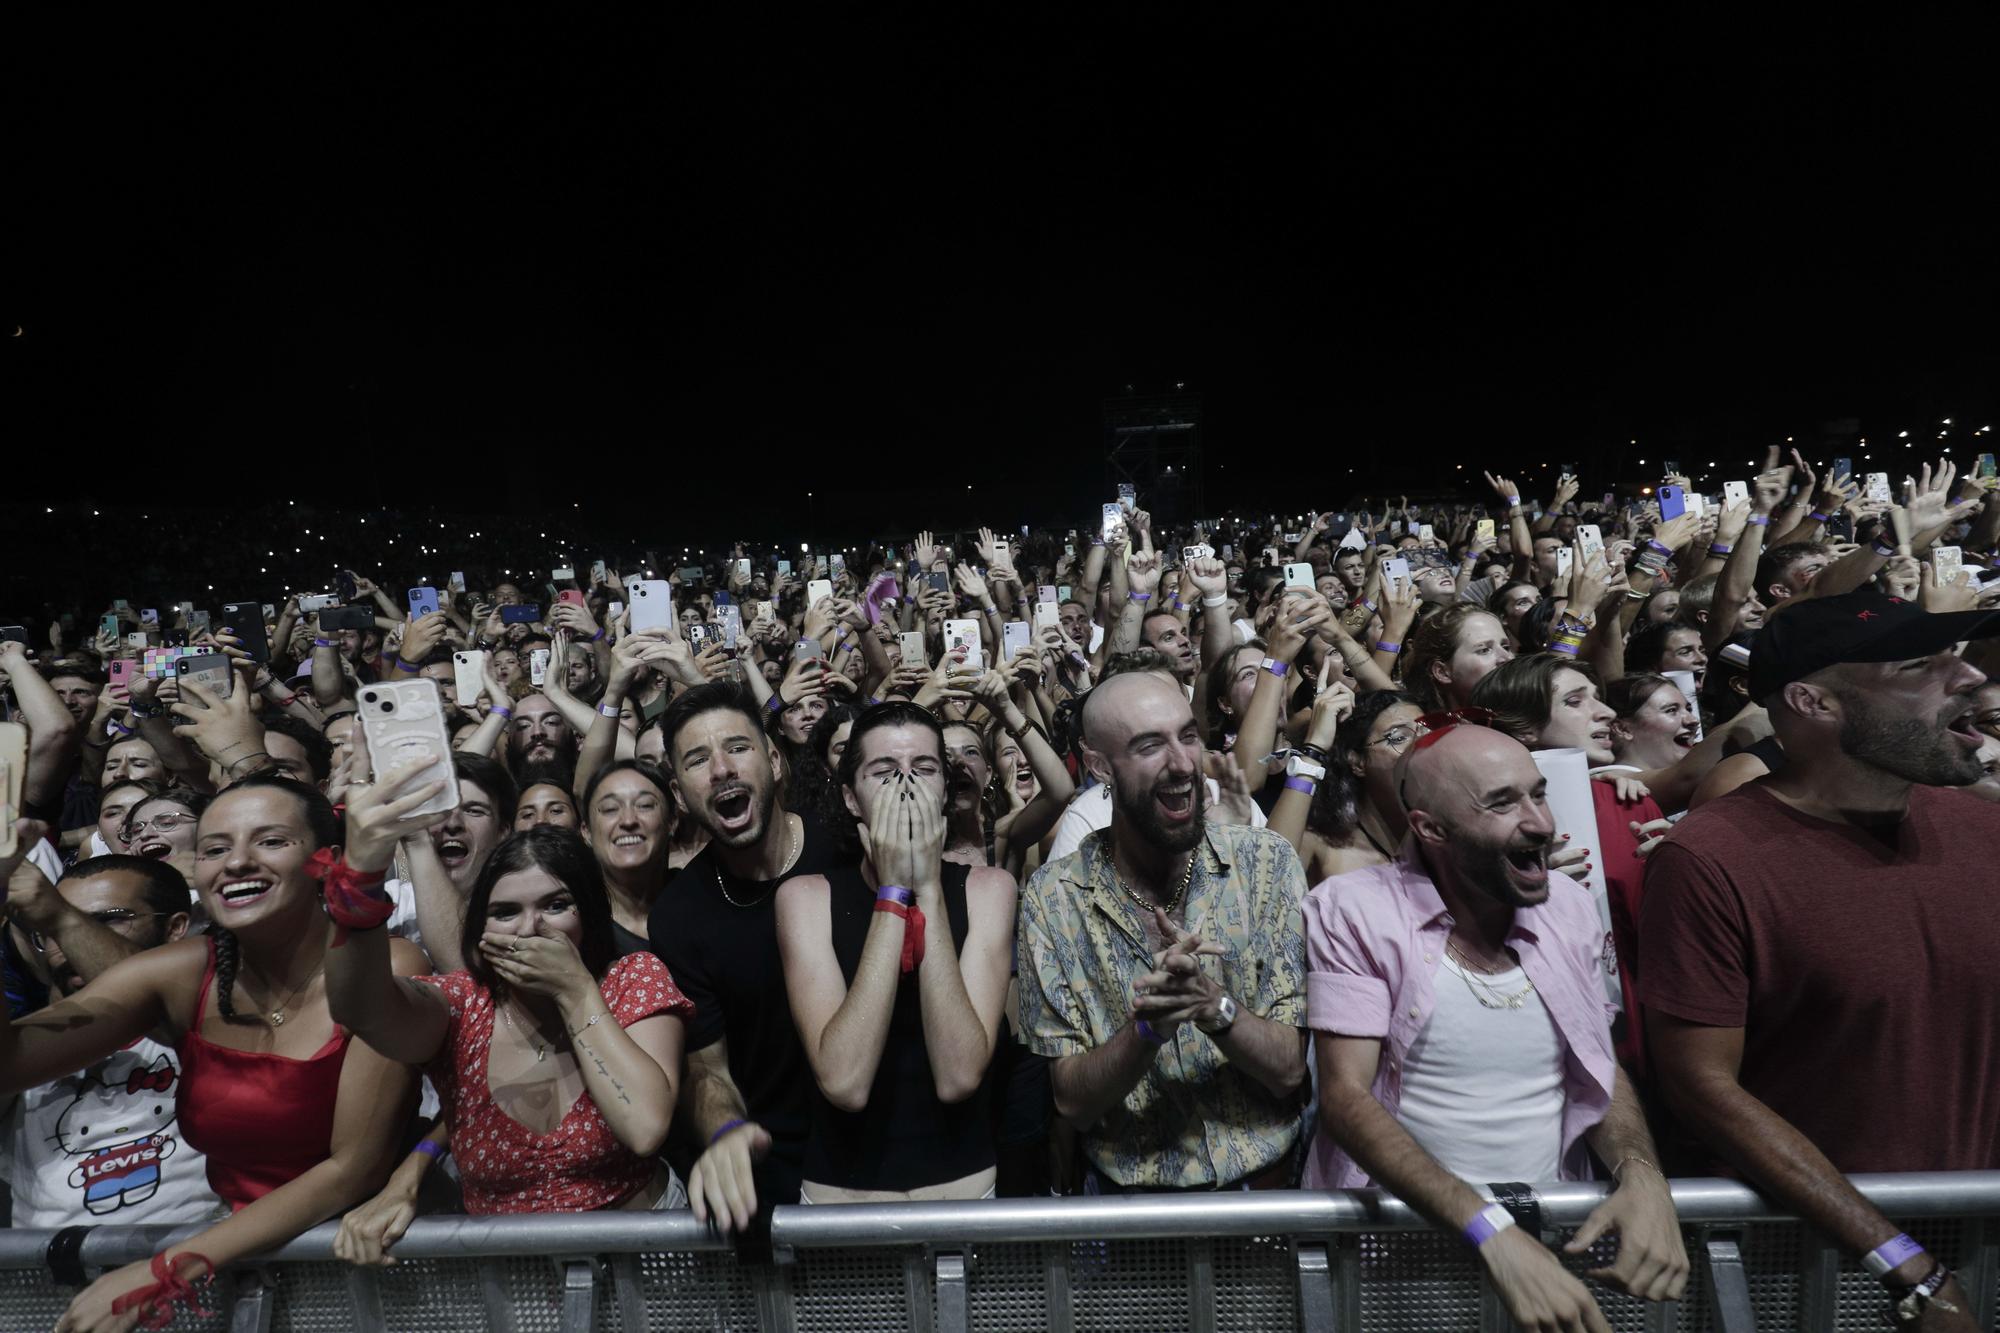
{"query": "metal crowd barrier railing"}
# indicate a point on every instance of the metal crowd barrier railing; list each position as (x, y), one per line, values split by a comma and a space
(1313, 1261)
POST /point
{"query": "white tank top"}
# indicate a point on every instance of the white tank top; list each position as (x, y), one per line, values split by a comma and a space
(1483, 1087)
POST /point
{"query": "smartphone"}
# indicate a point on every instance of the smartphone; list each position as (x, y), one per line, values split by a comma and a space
(1426, 533)
(1591, 539)
(571, 597)
(1673, 502)
(456, 582)
(596, 572)
(762, 612)
(402, 720)
(1396, 567)
(808, 646)
(423, 602)
(614, 609)
(1842, 467)
(13, 776)
(1113, 523)
(1015, 637)
(319, 601)
(208, 670)
(1565, 560)
(122, 671)
(632, 581)
(840, 562)
(538, 665)
(1697, 503)
(817, 591)
(1062, 592)
(914, 652)
(1299, 576)
(1946, 564)
(938, 580)
(198, 622)
(1878, 487)
(564, 574)
(1483, 529)
(1047, 613)
(107, 627)
(1002, 551)
(743, 568)
(351, 617)
(468, 675)
(1669, 468)
(652, 605)
(1069, 550)
(1128, 496)
(1045, 592)
(520, 613)
(690, 573)
(1984, 470)
(343, 585)
(731, 620)
(1735, 493)
(246, 621)
(965, 634)
(784, 566)
(149, 618)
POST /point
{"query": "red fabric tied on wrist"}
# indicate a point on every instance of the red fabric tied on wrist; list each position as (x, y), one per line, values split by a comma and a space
(913, 930)
(155, 1303)
(351, 900)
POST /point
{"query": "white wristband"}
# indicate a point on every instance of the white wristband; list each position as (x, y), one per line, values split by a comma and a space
(1216, 600)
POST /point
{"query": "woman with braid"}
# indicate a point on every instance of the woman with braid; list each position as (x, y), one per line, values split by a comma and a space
(298, 1122)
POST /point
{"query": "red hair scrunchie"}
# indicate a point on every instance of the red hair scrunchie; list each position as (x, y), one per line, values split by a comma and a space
(155, 1303)
(352, 898)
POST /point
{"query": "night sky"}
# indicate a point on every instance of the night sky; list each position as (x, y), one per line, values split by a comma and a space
(485, 265)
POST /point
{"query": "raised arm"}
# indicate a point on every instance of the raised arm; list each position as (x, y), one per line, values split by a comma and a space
(842, 1027)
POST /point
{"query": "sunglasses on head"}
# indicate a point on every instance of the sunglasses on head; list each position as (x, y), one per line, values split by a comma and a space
(1432, 726)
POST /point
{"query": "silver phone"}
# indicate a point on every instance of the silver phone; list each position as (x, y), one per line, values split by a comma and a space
(403, 719)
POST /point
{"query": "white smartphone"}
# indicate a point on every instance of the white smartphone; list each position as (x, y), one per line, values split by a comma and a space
(1001, 551)
(13, 776)
(468, 676)
(1947, 562)
(403, 719)
(914, 652)
(1878, 487)
(1425, 533)
(1047, 613)
(456, 583)
(1113, 524)
(616, 609)
(743, 568)
(1697, 503)
(597, 571)
(565, 574)
(1299, 576)
(1591, 539)
(730, 617)
(818, 591)
(965, 633)
(1735, 493)
(1396, 567)
(318, 601)
(538, 666)
(652, 605)
(1045, 592)
(1015, 637)
(1565, 558)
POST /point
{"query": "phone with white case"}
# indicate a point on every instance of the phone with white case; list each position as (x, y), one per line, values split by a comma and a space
(468, 675)
(652, 605)
(403, 719)
(965, 633)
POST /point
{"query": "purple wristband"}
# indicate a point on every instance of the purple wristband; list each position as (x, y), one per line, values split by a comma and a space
(1382, 647)
(598, 637)
(895, 893)
(777, 704)
(1146, 1031)
(1487, 1223)
(503, 710)
(1302, 783)
(1138, 597)
(1818, 517)
(727, 1125)
(1719, 548)
(1890, 1255)
(1759, 520)
(434, 1151)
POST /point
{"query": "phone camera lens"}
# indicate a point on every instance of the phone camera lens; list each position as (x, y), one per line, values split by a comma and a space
(388, 707)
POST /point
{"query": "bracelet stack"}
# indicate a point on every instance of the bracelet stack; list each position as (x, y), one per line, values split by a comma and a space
(1567, 636)
(899, 901)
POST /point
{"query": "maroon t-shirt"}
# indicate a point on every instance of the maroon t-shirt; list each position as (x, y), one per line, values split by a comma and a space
(1863, 967)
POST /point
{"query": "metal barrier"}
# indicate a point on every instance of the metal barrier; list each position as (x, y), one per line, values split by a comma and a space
(1254, 1261)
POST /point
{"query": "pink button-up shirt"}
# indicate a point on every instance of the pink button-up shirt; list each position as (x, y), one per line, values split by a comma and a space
(1375, 939)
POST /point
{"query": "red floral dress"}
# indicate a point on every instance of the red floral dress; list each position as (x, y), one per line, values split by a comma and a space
(504, 1166)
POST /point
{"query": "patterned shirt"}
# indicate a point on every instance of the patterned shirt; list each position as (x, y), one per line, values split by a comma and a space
(1195, 1120)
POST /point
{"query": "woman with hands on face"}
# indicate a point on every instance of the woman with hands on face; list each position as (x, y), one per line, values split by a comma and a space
(557, 1063)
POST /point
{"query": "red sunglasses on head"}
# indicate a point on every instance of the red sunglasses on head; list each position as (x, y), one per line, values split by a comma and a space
(1432, 726)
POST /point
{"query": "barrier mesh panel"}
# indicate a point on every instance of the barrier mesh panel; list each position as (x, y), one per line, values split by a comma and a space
(1135, 1284)
(841, 1290)
(1005, 1287)
(1417, 1283)
(428, 1295)
(28, 1300)
(534, 1293)
(696, 1293)
(312, 1298)
(1862, 1301)
(1625, 1314)
(1256, 1284)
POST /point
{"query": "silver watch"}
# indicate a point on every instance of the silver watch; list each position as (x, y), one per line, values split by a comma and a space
(1225, 1018)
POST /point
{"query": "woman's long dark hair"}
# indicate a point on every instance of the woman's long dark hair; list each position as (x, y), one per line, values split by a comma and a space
(567, 857)
(1336, 807)
(324, 823)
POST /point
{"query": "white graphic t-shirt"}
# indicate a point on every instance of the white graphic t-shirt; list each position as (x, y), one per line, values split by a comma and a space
(103, 1147)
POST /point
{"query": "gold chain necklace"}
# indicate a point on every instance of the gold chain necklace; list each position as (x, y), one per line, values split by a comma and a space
(276, 1017)
(791, 859)
(541, 1047)
(1187, 877)
(1488, 995)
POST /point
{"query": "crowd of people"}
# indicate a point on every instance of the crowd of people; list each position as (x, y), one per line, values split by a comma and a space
(1447, 848)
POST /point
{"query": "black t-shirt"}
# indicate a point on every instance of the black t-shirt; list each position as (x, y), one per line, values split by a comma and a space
(723, 954)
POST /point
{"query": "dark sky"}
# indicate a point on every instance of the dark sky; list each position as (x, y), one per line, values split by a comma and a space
(483, 263)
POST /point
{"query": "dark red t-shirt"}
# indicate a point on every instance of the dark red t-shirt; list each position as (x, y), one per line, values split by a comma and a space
(1863, 967)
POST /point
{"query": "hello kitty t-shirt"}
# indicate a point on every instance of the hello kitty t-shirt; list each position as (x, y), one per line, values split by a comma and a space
(103, 1148)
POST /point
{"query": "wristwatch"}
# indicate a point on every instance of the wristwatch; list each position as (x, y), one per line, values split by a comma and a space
(1225, 1018)
(1298, 766)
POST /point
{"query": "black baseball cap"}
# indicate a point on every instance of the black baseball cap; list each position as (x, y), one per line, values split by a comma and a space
(1865, 626)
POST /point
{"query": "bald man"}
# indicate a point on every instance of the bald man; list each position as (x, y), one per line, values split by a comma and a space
(1463, 1038)
(1162, 968)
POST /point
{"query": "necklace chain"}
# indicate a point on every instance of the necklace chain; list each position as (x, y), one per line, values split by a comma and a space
(1187, 877)
(1488, 995)
(791, 859)
(276, 1017)
(541, 1047)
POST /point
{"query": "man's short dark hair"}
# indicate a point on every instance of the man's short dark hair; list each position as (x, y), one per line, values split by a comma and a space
(895, 713)
(165, 892)
(548, 773)
(491, 777)
(80, 670)
(1772, 564)
(715, 696)
(319, 750)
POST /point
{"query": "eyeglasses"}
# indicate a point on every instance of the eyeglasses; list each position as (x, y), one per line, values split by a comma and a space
(110, 916)
(166, 823)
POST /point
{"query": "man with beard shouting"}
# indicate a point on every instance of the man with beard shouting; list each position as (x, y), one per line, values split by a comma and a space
(1464, 1040)
(1825, 999)
(1162, 966)
(748, 1088)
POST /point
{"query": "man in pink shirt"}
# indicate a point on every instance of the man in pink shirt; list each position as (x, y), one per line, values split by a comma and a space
(1458, 1014)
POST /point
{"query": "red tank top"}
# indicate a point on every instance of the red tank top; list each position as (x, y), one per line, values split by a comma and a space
(262, 1118)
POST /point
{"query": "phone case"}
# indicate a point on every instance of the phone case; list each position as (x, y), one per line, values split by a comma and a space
(1590, 538)
(108, 627)
(652, 605)
(521, 613)
(570, 597)
(1299, 576)
(563, 575)
(1015, 637)
(13, 774)
(318, 601)
(597, 571)
(468, 675)
(423, 602)
(1878, 487)
(402, 719)
(1396, 567)
(839, 563)
(457, 581)
(121, 670)
(538, 666)
(1735, 493)
(1673, 503)
(246, 621)
(1946, 564)
(784, 566)
(1113, 522)
(818, 590)
(1047, 613)
(208, 670)
(914, 651)
(966, 633)
(731, 620)
(1565, 560)
(1484, 529)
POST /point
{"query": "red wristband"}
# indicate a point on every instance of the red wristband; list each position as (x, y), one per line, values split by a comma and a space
(352, 898)
(913, 930)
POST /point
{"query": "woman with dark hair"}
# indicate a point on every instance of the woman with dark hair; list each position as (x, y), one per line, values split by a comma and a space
(1352, 818)
(1511, 601)
(163, 827)
(556, 1059)
(628, 812)
(820, 788)
(1231, 682)
(297, 1121)
(1450, 652)
(987, 823)
(1656, 724)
